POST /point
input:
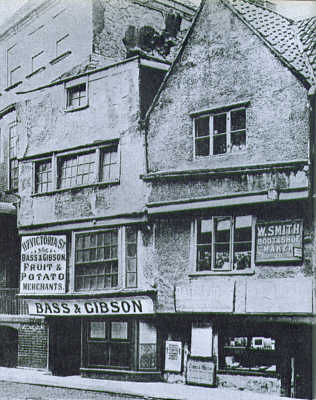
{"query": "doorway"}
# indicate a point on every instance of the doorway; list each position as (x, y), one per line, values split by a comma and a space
(65, 346)
(8, 347)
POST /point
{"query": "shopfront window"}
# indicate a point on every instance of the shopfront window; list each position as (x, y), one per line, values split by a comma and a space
(122, 344)
(249, 353)
(109, 344)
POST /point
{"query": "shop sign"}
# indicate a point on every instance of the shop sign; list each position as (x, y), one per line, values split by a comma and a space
(173, 356)
(201, 371)
(205, 296)
(279, 241)
(43, 264)
(104, 306)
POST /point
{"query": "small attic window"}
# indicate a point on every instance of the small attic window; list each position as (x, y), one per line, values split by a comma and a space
(76, 96)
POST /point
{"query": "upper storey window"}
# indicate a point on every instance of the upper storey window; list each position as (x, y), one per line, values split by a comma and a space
(220, 132)
(225, 243)
(77, 96)
(75, 169)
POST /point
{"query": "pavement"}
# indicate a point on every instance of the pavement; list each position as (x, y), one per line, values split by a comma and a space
(138, 390)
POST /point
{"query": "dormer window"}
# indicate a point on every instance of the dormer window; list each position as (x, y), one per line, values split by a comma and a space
(220, 132)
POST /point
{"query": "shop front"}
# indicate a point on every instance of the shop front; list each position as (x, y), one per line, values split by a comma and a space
(249, 334)
(110, 338)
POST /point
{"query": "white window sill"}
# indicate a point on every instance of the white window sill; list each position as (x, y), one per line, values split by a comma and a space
(60, 57)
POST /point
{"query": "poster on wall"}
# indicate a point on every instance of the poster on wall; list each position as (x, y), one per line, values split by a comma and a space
(201, 371)
(43, 264)
(173, 356)
(279, 241)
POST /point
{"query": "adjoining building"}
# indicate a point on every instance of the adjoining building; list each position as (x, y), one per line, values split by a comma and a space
(73, 156)
(163, 173)
(230, 166)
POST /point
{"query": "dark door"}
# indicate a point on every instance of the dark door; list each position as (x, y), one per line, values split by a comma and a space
(65, 346)
(8, 347)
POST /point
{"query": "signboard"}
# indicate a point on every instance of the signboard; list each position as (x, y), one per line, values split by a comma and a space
(283, 295)
(105, 306)
(279, 241)
(173, 356)
(214, 295)
(201, 371)
(201, 339)
(43, 264)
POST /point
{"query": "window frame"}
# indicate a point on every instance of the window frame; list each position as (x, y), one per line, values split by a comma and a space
(210, 114)
(212, 270)
(108, 341)
(35, 58)
(121, 258)
(58, 41)
(71, 86)
(97, 152)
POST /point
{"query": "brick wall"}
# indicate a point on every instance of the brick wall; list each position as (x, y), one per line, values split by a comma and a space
(33, 345)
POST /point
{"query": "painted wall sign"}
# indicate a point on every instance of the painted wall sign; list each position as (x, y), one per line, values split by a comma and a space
(43, 264)
(279, 241)
(104, 306)
(173, 356)
(283, 295)
(214, 295)
(201, 371)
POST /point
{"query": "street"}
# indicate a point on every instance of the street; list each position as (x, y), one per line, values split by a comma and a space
(21, 391)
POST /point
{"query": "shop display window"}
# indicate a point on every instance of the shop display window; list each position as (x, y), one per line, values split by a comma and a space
(147, 346)
(249, 354)
(109, 344)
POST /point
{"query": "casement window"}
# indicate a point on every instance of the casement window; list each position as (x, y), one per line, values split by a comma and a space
(220, 132)
(75, 170)
(248, 351)
(99, 165)
(13, 161)
(224, 243)
(77, 96)
(43, 176)
(99, 262)
(112, 343)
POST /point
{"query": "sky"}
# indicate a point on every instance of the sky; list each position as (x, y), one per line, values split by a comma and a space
(295, 9)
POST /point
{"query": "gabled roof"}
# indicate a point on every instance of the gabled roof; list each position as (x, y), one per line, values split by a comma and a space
(281, 34)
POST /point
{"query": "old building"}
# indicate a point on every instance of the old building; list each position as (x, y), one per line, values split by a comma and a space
(162, 171)
(230, 185)
(73, 154)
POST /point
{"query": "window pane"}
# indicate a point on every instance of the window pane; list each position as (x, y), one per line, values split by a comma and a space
(97, 330)
(119, 355)
(204, 245)
(119, 330)
(220, 144)
(219, 124)
(202, 147)
(222, 227)
(202, 127)
(242, 242)
(238, 120)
